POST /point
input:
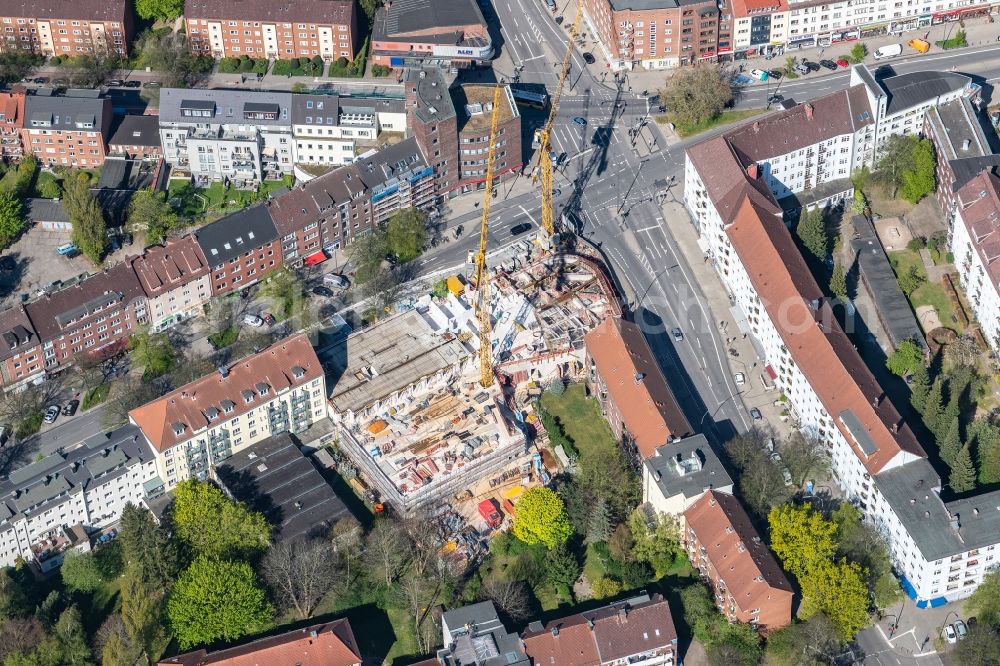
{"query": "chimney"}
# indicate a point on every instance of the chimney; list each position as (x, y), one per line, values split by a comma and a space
(752, 171)
(555, 631)
(639, 376)
(876, 401)
(966, 144)
(756, 126)
(223, 371)
(623, 613)
(809, 110)
(895, 428)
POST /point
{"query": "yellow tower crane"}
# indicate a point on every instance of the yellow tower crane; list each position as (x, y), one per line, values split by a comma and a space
(545, 149)
(484, 314)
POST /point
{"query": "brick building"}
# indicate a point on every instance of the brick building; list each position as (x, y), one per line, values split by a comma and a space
(261, 29)
(175, 279)
(11, 123)
(136, 138)
(95, 315)
(67, 130)
(82, 27)
(473, 105)
(626, 379)
(723, 545)
(406, 33)
(20, 351)
(431, 118)
(241, 249)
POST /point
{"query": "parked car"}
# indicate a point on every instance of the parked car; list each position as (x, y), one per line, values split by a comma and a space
(579, 121)
(556, 192)
(774, 74)
(829, 64)
(336, 280)
(843, 62)
(740, 378)
(70, 408)
(51, 414)
(115, 83)
(252, 320)
(755, 414)
(961, 629)
(677, 333)
(519, 229)
(758, 74)
(786, 476)
(322, 291)
(588, 58)
(269, 319)
(813, 67)
(40, 80)
(801, 69)
(948, 633)
(775, 457)
(775, 99)
(151, 84)
(5, 430)
(133, 84)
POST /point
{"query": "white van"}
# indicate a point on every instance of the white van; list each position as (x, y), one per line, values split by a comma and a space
(890, 51)
(335, 280)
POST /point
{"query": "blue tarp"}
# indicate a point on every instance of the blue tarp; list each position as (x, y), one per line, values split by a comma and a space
(911, 592)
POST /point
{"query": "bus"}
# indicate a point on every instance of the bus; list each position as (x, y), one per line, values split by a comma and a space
(536, 100)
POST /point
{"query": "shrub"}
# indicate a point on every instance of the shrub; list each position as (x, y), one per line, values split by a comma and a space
(916, 244)
(56, 60)
(342, 61)
(229, 66)
(605, 587)
(440, 289)
(246, 64)
(557, 387)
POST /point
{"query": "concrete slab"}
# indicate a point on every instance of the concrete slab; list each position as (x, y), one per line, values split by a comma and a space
(928, 318)
(893, 233)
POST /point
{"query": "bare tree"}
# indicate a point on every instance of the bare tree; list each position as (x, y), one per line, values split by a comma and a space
(804, 457)
(382, 290)
(964, 351)
(386, 550)
(745, 450)
(420, 594)
(126, 395)
(20, 634)
(19, 408)
(345, 543)
(762, 486)
(299, 573)
(510, 596)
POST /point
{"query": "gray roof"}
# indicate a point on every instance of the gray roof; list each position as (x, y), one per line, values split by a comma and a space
(479, 637)
(65, 113)
(956, 122)
(412, 16)
(432, 95)
(390, 164)
(275, 478)
(34, 487)
(908, 90)
(966, 169)
(232, 235)
(308, 106)
(688, 467)
(796, 201)
(880, 281)
(137, 131)
(868, 79)
(229, 106)
(44, 210)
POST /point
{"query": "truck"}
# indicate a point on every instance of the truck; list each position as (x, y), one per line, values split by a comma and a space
(920, 45)
(490, 511)
(889, 51)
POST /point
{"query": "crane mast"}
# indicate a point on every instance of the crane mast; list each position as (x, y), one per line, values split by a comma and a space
(483, 310)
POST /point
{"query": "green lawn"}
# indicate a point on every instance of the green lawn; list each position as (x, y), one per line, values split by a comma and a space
(194, 202)
(686, 130)
(929, 293)
(581, 419)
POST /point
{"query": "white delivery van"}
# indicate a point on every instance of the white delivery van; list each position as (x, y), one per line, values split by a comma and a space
(890, 51)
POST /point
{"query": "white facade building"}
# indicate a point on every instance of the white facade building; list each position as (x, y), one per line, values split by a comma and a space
(331, 130)
(680, 473)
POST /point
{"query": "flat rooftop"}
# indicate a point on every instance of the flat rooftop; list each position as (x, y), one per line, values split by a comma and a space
(687, 467)
(474, 105)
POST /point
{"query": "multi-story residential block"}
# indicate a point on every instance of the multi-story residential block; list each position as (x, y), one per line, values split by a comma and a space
(474, 107)
(657, 34)
(202, 423)
(624, 375)
(175, 279)
(11, 122)
(332, 130)
(88, 27)
(639, 630)
(327, 644)
(97, 314)
(53, 504)
(21, 357)
(723, 545)
(327, 213)
(875, 456)
(680, 473)
(408, 33)
(230, 135)
(136, 138)
(432, 120)
(240, 248)
(760, 27)
(295, 29)
(69, 130)
(468, 627)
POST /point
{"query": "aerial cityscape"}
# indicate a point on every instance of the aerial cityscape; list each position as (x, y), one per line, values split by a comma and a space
(500, 333)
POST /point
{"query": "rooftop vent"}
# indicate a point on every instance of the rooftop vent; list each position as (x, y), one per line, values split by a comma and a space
(223, 371)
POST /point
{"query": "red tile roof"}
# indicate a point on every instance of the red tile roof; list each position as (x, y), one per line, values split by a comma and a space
(276, 367)
(327, 644)
(647, 406)
(12, 108)
(91, 10)
(979, 209)
(739, 557)
(161, 268)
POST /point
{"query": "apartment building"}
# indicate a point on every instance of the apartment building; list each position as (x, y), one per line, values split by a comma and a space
(759, 26)
(749, 585)
(205, 422)
(409, 33)
(21, 358)
(136, 138)
(227, 135)
(328, 212)
(175, 279)
(326, 644)
(332, 130)
(240, 248)
(679, 473)
(69, 130)
(875, 456)
(626, 379)
(433, 122)
(474, 109)
(97, 314)
(476, 629)
(55, 503)
(658, 34)
(638, 630)
(87, 27)
(260, 29)
(11, 122)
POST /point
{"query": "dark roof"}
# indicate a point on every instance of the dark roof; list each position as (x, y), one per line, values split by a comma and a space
(137, 131)
(405, 17)
(966, 169)
(114, 173)
(339, 12)
(274, 478)
(915, 88)
(476, 635)
(796, 201)
(433, 100)
(16, 331)
(37, 211)
(688, 467)
(97, 10)
(876, 273)
(65, 113)
(232, 235)
(912, 492)
(644, 5)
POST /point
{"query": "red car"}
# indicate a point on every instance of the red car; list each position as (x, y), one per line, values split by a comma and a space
(269, 319)
(842, 62)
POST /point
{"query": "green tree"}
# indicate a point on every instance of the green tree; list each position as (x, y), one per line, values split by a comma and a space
(142, 609)
(599, 525)
(981, 647)
(814, 641)
(951, 444)
(858, 53)
(80, 572)
(150, 215)
(167, 53)
(90, 232)
(406, 233)
(700, 612)
(368, 252)
(153, 352)
(11, 219)
(216, 599)
(985, 601)
(894, 160)
(920, 386)
(918, 178)
(27, 171)
(838, 590)
(948, 416)
(987, 442)
(541, 518)
(368, 8)
(212, 524)
(15, 66)
(656, 539)
(153, 10)
(906, 359)
(963, 474)
(911, 280)
(561, 567)
(934, 404)
(285, 294)
(605, 587)
(147, 548)
(697, 94)
(801, 538)
(811, 231)
(734, 644)
(838, 282)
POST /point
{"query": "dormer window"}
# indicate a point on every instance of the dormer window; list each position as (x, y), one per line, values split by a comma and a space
(178, 428)
(262, 388)
(298, 372)
(247, 396)
(228, 406)
(211, 413)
